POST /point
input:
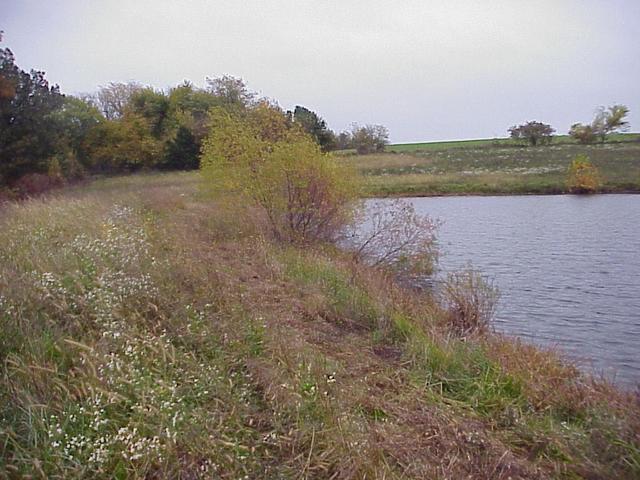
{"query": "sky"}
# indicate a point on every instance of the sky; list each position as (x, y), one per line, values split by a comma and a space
(427, 70)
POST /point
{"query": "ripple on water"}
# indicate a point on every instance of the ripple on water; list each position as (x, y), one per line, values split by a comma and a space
(568, 269)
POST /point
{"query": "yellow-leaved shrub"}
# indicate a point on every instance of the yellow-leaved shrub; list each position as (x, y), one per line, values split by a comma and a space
(583, 176)
(258, 157)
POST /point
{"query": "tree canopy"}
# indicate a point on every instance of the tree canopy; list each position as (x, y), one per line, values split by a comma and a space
(605, 122)
(369, 138)
(27, 105)
(533, 133)
(129, 126)
(315, 126)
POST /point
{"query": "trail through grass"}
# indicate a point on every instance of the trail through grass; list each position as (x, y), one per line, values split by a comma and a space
(147, 332)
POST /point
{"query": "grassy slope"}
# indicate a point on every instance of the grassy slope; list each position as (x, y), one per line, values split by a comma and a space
(146, 332)
(495, 166)
(492, 142)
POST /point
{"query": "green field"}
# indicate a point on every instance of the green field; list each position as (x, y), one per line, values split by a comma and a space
(495, 166)
(492, 142)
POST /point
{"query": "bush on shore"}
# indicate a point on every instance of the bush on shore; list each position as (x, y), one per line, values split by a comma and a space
(262, 159)
(583, 176)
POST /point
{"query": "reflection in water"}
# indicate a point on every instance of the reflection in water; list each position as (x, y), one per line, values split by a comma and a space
(568, 269)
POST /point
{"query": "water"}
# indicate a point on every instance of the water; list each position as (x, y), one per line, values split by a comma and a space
(568, 270)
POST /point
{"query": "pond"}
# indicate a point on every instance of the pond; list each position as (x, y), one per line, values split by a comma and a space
(567, 267)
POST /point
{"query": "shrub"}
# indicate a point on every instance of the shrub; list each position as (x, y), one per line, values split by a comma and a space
(305, 195)
(34, 184)
(397, 237)
(583, 176)
(582, 133)
(470, 302)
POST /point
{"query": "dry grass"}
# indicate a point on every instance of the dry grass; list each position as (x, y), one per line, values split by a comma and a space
(495, 169)
(147, 332)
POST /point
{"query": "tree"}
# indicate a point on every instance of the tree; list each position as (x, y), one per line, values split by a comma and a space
(315, 126)
(534, 133)
(125, 144)
(189, 106)
(232, 91)
(73, 123)
(583, 176)
(152, 105)
(605, 121)
(182, 151)
(369, 138)
(609, 120)
(344, 141)
(113, 98)
(27, 131)
(582, 133)
(7, 87)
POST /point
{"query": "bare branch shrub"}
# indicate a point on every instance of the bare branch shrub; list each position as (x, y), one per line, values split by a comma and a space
(470, 302)
(396, 236)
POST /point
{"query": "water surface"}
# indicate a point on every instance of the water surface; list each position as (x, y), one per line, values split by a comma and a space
(568, 270)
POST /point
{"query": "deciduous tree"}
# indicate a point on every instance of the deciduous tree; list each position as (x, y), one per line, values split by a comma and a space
(369, 138)
(27, 105)
(112, 99)
(232, 91)
(605, 122)
(315, 126)
(534, 133)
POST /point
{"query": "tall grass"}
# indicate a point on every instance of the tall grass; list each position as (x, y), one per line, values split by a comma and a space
(147, 332)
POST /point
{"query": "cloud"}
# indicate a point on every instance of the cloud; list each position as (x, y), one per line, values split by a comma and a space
(427, 69)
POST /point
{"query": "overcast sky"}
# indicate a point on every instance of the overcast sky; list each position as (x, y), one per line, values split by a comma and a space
(428, 70)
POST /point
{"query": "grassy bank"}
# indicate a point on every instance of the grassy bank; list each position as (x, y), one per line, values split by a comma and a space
(495, 167)
(147, 332)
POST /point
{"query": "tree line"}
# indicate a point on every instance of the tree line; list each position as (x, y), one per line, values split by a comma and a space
(605, 122)
(47, 138)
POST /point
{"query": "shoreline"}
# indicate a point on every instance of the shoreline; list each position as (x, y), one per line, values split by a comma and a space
(409, 194)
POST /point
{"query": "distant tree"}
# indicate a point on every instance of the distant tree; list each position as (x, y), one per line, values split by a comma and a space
(189, 106)
(344, 141)
(610, 120)
(369, 138)
(583, 176)
(315, 126)
(113, 98)
(232, 91)
(605, 122)
(7, 87)
(126, 144)
(73, 122)
(27, 131)
(534, 133)
(152, 105)
(582, 133)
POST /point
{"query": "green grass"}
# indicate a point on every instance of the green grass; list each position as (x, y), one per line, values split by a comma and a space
(490, 142)
(479, 167)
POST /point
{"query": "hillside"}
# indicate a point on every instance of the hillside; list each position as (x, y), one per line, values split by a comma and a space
(148, 332)
(496, 167)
